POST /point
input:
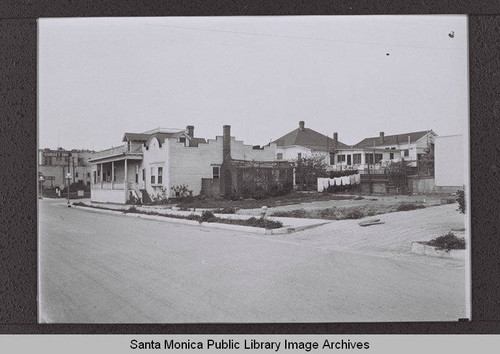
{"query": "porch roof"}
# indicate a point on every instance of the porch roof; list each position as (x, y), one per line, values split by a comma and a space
(118, 156)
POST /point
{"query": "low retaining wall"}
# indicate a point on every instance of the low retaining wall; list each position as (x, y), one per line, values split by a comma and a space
(426, 185)
(116, 196)
(423, 249)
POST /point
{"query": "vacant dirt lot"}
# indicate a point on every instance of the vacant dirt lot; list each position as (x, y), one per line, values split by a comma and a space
(371, 205)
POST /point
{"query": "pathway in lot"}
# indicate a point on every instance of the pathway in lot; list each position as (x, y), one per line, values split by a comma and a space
(101, 268)
(392, 239)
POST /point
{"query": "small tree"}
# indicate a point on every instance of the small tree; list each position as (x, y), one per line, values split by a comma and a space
(397, 172)
(461, 200)
(309, 169)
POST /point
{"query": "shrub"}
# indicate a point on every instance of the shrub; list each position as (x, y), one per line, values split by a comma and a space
(448, 242)
(330, 213)
(207, 216)
(409, 206)
(132, 209)
(226, 210)
(182, 190)
(461, 201)
(161, 197)
(297, 213)
(355, 213)
(265, 223)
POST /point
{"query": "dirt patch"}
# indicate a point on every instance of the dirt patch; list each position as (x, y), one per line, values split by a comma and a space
(289, 199)
(354, 212)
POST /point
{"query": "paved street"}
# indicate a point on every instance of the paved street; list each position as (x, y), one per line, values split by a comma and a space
(101, 268)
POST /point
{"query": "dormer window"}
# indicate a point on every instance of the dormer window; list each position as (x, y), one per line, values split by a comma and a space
(182, 139)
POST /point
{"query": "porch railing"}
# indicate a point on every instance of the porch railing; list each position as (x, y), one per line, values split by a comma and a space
(118, 185)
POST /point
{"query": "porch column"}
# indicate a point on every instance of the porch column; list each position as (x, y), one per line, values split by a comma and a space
(112, 175)
(126, 179)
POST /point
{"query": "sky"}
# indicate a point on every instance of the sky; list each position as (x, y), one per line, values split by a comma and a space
(355, 75)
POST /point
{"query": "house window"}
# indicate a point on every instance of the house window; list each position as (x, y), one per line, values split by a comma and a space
(340, 158)
(143, 174)
(407, 152)
(160, 175)
(369, 158)
(299, 156)
(356, 159)
(215, 171)
(136, 173)
(88, 174)
(349, 160)
(108, 176)
(182, 139)
(279, 156)
(378, 157)
(95, 177)
(391, 156)
(153, 177)
(76, 174)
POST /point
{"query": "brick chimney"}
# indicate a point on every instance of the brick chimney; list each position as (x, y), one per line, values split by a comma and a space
(190, 130)
(226, 143)
(381, 138)
(301, 125)
(335, 139)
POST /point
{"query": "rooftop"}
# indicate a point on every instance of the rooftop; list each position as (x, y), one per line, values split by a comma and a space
(308, 138)
(391, 139)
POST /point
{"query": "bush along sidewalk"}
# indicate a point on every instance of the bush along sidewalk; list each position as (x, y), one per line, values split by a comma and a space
(206, 216)
(447, 242)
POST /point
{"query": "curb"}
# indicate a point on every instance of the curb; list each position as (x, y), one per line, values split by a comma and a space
(426, 250)
(257, 230)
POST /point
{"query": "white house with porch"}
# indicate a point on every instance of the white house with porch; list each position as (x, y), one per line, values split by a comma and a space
(160, 160)
(376, 152)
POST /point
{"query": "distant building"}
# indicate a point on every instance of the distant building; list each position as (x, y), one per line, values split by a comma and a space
(53, 165)
(376, 152)
(306, 142)
(161, 161)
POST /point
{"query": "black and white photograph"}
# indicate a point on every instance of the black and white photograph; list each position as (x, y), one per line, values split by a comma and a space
(274, 169)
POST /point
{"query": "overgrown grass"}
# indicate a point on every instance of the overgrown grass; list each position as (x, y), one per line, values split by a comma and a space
(404, 206)
(252, 203)
(206, 216)
(327, 214)
(226, 210)
(355, 212)
(447, 242)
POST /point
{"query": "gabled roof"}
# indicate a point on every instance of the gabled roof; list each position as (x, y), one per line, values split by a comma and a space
(308, 138)
(392, 139)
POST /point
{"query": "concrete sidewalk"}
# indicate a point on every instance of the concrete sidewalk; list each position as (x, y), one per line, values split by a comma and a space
(389, 240)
